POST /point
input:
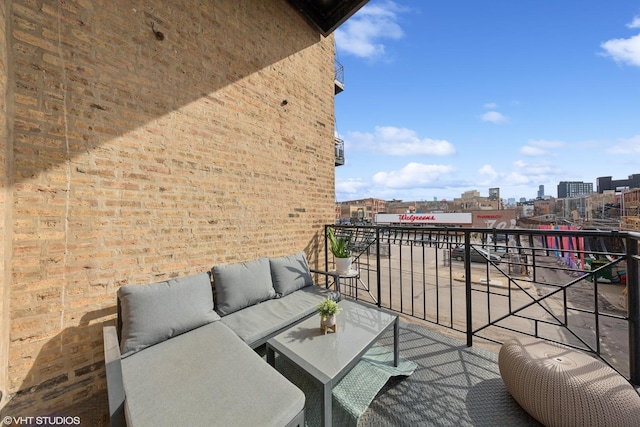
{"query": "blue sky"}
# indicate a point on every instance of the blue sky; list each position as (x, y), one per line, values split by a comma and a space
(445, 96)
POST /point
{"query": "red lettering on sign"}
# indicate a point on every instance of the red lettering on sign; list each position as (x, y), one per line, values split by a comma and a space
(413, 218)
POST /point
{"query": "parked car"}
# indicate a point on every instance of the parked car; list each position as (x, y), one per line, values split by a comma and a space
(477, 255)
(499, 238)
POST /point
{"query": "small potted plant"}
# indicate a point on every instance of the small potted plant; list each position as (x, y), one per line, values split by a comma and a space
(340, 247)
(328, 310)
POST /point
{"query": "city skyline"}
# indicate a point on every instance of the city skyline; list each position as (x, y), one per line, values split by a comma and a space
(579, 190)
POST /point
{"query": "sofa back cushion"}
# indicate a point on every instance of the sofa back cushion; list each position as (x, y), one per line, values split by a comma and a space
(153, 313)
(241, 285)
(290, 273)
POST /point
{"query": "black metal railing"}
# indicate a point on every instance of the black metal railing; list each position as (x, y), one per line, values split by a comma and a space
(575, 287)
(338, 77)
(339, 149)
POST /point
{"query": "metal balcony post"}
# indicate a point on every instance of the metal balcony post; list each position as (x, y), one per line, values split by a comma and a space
(467, 281)
(326, 254)
(378, 272)
(633, 307)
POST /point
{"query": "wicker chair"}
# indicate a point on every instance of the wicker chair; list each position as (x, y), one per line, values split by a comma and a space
(559, 386)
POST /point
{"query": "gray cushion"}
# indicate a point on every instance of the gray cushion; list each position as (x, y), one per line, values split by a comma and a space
(290, 273)
(241, 285)
(154, 313)
(259, 322)
(207, 377)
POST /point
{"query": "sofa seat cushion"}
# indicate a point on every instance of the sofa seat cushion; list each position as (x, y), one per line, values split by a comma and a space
(207, 377)
(241, 285)
(156, 312)
(290, 273)
(256, 323)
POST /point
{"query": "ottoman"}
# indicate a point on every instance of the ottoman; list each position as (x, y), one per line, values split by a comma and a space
(559, 386)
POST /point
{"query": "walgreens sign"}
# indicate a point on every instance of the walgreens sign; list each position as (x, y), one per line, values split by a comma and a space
(463, 218)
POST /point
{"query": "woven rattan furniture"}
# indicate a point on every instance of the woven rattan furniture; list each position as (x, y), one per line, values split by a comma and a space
(560, 386)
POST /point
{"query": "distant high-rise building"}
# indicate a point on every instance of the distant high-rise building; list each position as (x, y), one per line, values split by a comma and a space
(605, 183)
(540, 191)
(494, 194)
(567, 189)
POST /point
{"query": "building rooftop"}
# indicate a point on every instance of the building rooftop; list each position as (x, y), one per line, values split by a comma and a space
(327, 15)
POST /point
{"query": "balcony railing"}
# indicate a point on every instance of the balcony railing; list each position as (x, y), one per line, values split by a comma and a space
(338, 77)
(339, 147)
(578, 288)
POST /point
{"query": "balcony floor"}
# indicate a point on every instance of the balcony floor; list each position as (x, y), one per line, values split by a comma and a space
(453, 385)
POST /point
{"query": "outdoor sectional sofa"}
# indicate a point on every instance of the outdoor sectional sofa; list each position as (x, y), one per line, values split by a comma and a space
(177, 358)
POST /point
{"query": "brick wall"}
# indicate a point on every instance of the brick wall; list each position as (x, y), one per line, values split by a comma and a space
(4, 242)
(137, 160)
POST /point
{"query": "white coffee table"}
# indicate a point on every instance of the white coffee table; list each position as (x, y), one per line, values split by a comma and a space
(328, 358)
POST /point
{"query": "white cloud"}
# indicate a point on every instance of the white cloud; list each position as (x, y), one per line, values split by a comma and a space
(625, 50)
(350, 186)
(546, 143)
(521, 175)
(361, 34)
(488, 171)
(635, 23)
(494, 117)
(490, 106)
(487, 176)
(395, 141)
(541, 147)
(626, 146)
(535, 171)
(517, 178)
(412, 175)
(528, 150)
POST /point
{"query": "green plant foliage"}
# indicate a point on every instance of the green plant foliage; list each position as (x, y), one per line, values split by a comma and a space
(328, 308)
(340, 246)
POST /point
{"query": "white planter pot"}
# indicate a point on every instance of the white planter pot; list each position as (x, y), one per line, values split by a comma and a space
(343, 265)
(329, 323)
